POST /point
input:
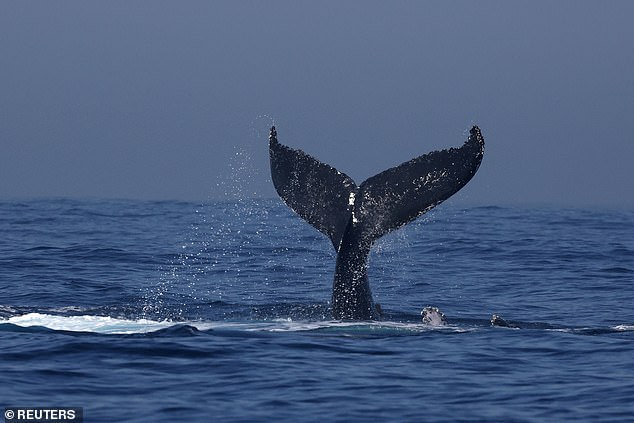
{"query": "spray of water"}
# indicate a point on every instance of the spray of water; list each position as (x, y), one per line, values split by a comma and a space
(216, 250)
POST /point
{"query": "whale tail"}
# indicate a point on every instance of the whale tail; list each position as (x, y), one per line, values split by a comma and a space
(353, 217)
(328, 199)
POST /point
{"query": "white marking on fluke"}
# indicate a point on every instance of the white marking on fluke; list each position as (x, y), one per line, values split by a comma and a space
(351, 203)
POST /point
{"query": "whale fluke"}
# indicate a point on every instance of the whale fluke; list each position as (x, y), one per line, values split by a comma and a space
(318, 193)
(399, 195)
(353, 217)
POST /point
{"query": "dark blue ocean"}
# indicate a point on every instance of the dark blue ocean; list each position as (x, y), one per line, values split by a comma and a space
(174, 311)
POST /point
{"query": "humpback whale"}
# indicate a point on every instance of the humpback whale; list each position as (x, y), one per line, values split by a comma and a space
(354, 217)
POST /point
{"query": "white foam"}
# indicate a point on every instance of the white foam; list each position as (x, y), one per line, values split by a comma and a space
(97, 324)
(111, 325)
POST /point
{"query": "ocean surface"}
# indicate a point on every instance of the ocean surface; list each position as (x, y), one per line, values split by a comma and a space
(173, 311)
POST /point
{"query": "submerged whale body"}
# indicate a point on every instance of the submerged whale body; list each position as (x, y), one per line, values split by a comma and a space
(353, 217)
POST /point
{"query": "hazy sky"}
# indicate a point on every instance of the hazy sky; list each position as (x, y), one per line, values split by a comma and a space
(154, 99)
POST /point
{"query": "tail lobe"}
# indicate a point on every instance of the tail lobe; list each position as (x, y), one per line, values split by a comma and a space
(399, 195)
(318, 193)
